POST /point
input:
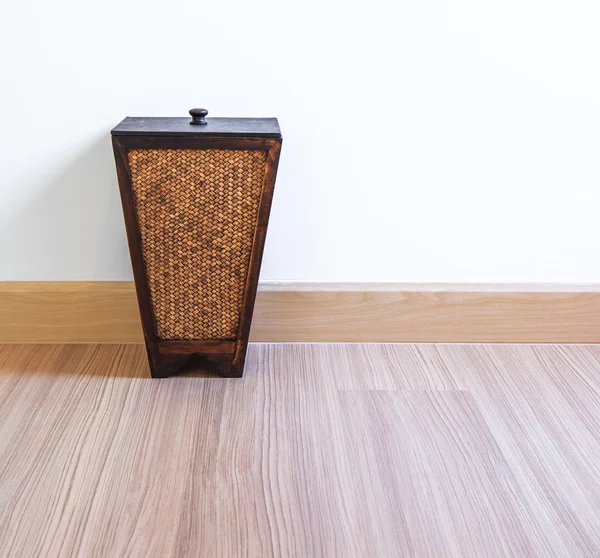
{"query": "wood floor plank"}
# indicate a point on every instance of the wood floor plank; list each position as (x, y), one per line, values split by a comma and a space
(318, 451)
(546, 434)
(438, 484)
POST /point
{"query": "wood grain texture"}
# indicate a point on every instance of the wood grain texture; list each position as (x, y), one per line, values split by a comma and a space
(107, 312)
(320, 450)
(69, 312)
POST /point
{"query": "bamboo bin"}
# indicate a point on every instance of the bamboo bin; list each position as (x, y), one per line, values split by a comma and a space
(196, 198)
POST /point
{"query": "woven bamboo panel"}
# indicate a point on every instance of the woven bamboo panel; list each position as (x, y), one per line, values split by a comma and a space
(197, 213)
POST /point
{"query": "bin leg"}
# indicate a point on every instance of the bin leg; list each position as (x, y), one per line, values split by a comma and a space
(224, 366)
(165, 366)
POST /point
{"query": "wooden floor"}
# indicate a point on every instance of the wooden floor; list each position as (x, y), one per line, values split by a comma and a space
(319, 451)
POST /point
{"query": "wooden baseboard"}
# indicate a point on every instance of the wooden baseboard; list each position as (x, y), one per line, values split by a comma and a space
(107, 312)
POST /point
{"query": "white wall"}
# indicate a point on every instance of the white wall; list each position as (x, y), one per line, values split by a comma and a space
(424, 140)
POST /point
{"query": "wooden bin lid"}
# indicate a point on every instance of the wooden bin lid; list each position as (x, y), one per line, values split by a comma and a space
(214, 127)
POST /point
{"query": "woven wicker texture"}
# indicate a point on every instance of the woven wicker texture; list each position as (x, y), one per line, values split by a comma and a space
(197, 212)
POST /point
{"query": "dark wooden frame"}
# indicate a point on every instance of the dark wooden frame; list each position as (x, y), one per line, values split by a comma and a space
(166, 357)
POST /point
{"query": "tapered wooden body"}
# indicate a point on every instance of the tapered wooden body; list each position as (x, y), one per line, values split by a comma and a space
(196, 201)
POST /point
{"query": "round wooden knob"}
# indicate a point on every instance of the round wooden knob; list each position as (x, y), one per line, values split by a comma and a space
(198, 116)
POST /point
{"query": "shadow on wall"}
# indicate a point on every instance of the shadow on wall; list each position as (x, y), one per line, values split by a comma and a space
(72, 229)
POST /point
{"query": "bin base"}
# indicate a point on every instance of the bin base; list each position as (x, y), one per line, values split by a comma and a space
(168, 358)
